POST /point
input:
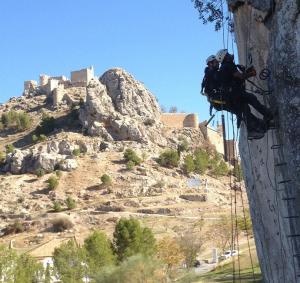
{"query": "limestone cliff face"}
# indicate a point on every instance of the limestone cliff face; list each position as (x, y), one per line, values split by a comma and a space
(270, 31)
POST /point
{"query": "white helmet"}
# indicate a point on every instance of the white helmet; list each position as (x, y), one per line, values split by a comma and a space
(221, 55)
(211, 58)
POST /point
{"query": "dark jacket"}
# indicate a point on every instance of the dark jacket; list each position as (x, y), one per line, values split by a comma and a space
(227, 80)
(211, 80)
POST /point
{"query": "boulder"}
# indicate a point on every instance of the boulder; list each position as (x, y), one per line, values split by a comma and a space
(68, 164)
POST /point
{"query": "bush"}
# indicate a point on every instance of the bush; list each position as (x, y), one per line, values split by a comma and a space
(70, 203)
(201, 161)
(61, 223)
(15, 228)
(130, 155)
(183, 146)
(39, 172)
(58, 174)
(169, 158)
(189, 165)
(237, 172)
(46, 126)
(130, 165)
(52, 183)
(76, 152)
(38, 138)
(57, 206)
(106, 180)
(221, 169)
(16, 120)
(9, 148)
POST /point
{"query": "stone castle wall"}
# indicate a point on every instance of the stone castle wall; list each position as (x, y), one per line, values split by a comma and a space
(179, 120)
(84, 75)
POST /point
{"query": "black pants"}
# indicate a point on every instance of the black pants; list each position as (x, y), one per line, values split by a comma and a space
(237, 102)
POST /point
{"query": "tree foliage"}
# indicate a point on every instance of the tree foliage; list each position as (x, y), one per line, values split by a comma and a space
(169, 158)
(135, 269)
(190, 244)
(169, 252)
(18, 269)
(212, 11)
(19, 121)
(68, 261)
(131, 239)
(99, 251)
(130, 155)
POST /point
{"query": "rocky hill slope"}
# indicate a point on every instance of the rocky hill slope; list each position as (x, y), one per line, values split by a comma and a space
(85, 141)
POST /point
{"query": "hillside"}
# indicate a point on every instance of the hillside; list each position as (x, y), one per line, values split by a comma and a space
(85, 139)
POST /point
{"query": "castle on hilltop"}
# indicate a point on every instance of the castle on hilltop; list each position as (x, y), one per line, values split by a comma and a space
(61, 88)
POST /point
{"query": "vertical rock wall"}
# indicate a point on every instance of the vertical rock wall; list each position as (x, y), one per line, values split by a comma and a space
(270, 31)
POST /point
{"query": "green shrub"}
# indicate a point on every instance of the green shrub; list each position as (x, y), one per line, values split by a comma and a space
(57, 206)
(9, 148)
(24, 121)
(221, 169)
(183, 146)
(38, 138)
(16, 120)
(70, 203)
(169, 158)
(58, 174)
(237, 172)
(14, 228)
(76, 152)
(46, 126)
(189, 165)
(39, 172)
(130, 155)
(130, 165)
(106, 180)
(34, 138)
(42, 138)
(201, 159)
(52, 183)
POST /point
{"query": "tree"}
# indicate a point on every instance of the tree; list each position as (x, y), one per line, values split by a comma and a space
(130, 239)
(99, 251)
(18, 269)
(27, 269)
(201, 161)
(69, 263)
(189, 165)
(221, 233)
(211, 11)
(190, 244)
(169, 252)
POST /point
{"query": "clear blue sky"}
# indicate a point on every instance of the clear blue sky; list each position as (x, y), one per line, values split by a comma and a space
(161, 42)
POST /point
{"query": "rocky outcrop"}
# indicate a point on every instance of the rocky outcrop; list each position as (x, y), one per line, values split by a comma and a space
(272, 174)
(49, 157)
(120, 108)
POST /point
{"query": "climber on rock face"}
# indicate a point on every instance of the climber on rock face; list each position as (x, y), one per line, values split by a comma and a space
(232, 87)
